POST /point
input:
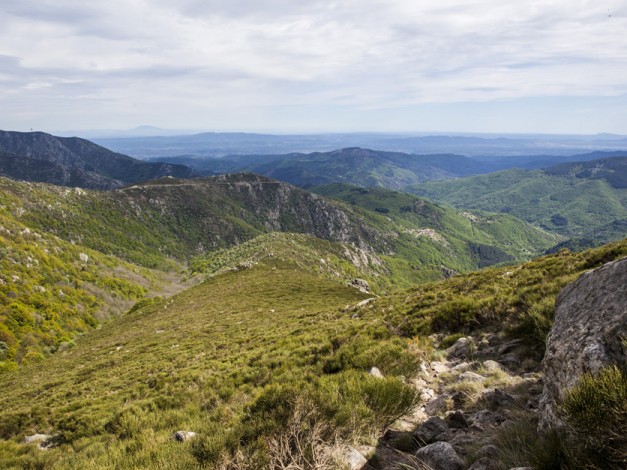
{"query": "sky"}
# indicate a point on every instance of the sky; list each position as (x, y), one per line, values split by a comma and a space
(286, 66)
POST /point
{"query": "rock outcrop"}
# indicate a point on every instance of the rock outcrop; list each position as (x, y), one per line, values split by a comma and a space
(588, 333)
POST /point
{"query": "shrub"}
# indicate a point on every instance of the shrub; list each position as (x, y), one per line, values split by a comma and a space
(307, 440)
(534, 325)
(32, 357)
(209, 447)
(388, 398)
(595, 412)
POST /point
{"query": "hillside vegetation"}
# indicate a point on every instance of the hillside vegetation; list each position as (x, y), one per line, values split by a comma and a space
(136, 238)
(234, 359)
(259, 359)
(433, 239)
(52, 290)
(572, 199)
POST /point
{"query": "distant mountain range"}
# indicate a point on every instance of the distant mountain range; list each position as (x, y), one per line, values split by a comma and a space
(584, 201)
(70, 161)
(219, 144)
(369, 168)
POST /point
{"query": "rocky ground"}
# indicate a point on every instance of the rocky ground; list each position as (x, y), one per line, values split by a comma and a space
(489, 393)
(470, 399)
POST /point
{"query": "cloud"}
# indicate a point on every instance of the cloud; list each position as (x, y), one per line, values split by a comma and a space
(210, 56)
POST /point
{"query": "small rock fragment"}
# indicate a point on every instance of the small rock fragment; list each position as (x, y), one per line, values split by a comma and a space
(440, 456)
(432, 430)
(355, 459)
(182, 436)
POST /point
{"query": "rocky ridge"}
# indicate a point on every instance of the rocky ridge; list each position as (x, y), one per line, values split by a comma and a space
(470, 396)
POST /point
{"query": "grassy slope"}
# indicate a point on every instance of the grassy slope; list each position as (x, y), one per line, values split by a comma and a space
(229, 358)
(201, 360)
(519, 298)
(539, 197)
(339, 262)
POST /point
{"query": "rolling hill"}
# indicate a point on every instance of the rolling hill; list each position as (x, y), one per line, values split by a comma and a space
(73, 258)
(577, 199)
(253, 357)
(70, 161)
(363, 167)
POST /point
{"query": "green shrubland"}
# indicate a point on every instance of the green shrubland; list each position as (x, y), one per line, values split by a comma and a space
(135, 237)
(261, 361)
(267, 360)
(52, 290)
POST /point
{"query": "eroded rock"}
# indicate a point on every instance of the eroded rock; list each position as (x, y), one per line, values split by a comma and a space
(432, 430)
(587, 334)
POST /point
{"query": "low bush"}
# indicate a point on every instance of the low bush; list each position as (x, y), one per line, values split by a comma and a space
(595, 412)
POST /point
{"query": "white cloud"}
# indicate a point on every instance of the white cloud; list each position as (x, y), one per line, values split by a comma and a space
(145, 60)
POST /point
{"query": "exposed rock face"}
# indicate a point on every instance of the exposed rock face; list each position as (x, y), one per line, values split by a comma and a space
(360, 285)
(261, 204)
(588, 333)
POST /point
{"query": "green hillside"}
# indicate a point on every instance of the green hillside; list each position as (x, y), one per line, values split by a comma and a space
(253, 357)
(232, 359)
(573, 199)
(52, 290)
(437, 238)
(334, 261)
(140, 240)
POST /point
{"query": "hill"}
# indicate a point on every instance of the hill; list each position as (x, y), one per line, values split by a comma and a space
(478, 239)
(138, 239)
(370, 168)
(572, 199)
(70, 161)
(168, 218)
(259, 358)
(363, 167)
(52, 290)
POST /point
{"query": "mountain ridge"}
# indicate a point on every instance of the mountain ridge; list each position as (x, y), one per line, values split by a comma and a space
(71, 161)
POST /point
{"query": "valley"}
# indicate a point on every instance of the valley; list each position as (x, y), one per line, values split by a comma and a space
(239, 321)
(325, 235)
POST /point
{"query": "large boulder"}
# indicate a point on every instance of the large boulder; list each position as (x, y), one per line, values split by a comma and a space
(587, 334)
